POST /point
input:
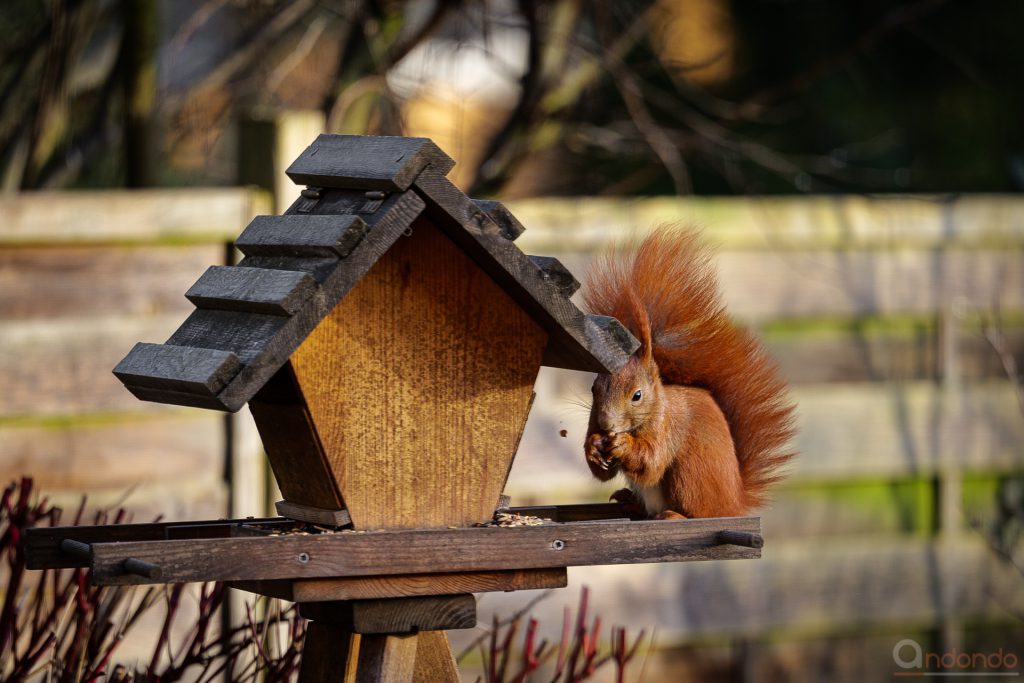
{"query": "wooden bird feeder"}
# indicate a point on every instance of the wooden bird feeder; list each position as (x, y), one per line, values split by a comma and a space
(386, 333)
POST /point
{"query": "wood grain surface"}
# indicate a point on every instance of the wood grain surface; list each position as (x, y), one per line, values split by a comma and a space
(291, 443)
(419, 383)
(426, 551)
(92, 280)
(435, 662)
(363, 588)
(260, 290)
(386, 659)
(573, 344)
(396, 615)
(367, 162)
(326, 654)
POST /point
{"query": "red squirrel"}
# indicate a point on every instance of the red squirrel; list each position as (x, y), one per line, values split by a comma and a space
(698, 421)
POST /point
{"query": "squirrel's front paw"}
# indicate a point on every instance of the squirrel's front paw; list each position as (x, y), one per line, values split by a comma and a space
(602, 465)
(620, 445)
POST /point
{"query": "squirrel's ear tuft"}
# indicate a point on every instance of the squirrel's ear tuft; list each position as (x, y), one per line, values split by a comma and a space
(646, 350)
(641, 327)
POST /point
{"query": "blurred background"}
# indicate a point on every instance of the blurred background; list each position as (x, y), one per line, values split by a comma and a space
(856, 163)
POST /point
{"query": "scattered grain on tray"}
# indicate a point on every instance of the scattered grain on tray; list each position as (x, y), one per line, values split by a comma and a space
(513, 519)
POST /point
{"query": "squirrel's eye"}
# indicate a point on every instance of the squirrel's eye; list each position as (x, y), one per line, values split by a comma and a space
(637, 396)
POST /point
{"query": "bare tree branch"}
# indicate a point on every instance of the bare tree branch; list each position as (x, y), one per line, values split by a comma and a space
(657, 139)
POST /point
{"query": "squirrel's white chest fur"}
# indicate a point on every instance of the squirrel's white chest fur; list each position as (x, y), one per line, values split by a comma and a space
(652, 497)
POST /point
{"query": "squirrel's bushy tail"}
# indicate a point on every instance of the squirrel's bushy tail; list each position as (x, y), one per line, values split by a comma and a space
(665, 292)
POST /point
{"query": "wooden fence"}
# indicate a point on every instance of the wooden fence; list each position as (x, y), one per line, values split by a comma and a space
(882, 313)
(83, 277)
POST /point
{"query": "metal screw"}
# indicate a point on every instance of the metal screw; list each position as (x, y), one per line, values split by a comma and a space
(558, 545)
(303, 558)
(311, 193)
(374, 194)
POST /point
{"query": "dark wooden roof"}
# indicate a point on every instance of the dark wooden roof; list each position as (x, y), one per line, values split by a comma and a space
(364, 193)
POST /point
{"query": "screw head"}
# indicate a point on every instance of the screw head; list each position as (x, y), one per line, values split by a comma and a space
(558, 544)
(302, 558)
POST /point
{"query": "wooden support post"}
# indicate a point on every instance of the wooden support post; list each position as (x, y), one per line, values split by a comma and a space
(435, 662)
(386, 658)
(384, 641)
(325, 653)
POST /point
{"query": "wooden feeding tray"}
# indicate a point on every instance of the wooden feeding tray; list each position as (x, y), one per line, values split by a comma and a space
(301, 562)
(386, 333)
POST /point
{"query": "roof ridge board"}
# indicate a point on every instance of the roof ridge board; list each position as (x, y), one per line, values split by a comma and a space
(576, 344)
(367, 162)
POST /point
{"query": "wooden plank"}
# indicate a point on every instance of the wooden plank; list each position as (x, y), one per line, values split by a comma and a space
(178, 368)
(809, 283)
(305, 513)
(114, 453)
(354, 588)
(766, 284)
(575, 347)
(337, 201)
(510, 226)
(851, 506)
(912, 354)
(195, 213)
(457, 358)
(586, 512)
(915, 429)
(396, 615)
(425, 551)
(49, 282)
(832, 222)
(42, 544)
(598, 330)
(435, 662)
(61, 367)
(259, 290)
(366, 162)
(302, 235)
(188, 399)
(326, 653)
(852, 584)
(553, 270)
(246, 335)
(386, 659)
(290, 440)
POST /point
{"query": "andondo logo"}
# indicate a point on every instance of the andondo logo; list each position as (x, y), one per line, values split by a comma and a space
(912, 660)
